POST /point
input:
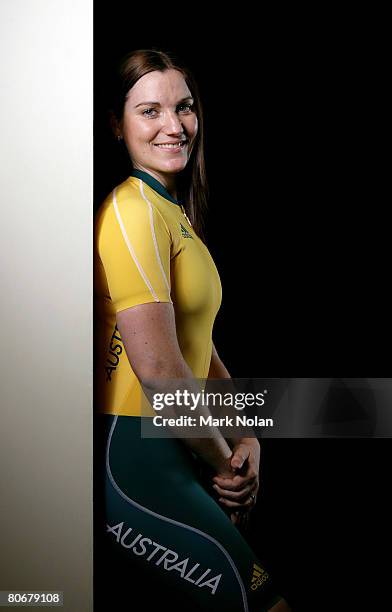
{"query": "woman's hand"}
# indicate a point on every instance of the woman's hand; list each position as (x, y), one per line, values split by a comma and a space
(239, 492)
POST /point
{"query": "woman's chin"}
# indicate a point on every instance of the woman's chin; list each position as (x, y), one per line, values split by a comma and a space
(173, 167)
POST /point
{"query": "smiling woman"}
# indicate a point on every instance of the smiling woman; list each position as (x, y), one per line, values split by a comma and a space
(156, 113)
(159, 134)
(157, 295)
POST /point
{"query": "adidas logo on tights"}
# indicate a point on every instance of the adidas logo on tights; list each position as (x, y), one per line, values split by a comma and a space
(259, 577)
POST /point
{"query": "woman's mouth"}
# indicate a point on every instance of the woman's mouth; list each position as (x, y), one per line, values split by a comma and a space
(173, 147)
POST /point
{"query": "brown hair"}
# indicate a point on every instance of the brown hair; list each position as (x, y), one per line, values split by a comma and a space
(192, 187)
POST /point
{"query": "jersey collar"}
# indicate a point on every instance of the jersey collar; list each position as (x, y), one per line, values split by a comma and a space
(154, 184)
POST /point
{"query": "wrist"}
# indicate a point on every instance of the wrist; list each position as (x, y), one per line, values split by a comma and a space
(224, 469)
(253, 445)
(252, 442)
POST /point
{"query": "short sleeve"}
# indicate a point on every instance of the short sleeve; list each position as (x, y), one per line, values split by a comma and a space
(134, 245)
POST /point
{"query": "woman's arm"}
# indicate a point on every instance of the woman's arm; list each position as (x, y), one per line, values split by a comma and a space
(219, 370)
(149, 336)
(217, 367)
(236, 490)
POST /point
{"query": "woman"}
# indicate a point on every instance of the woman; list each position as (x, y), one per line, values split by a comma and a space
(158, 292)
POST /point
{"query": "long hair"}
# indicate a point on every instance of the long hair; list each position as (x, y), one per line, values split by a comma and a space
(192, 186)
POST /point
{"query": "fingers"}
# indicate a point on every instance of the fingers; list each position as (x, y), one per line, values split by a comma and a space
(241, 454)
(248, 503)
(234, 495)
(237, 483)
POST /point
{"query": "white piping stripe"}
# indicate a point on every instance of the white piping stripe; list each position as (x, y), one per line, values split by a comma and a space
(172, 521)
(153, 234)
(130, 248)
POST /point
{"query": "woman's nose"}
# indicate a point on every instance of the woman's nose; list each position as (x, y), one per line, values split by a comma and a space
(172, 123)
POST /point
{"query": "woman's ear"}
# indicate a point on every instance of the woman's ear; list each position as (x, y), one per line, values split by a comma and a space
(115, 125)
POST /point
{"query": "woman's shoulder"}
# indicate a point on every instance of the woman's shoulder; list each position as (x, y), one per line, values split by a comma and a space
(124, 198)
(126, 209)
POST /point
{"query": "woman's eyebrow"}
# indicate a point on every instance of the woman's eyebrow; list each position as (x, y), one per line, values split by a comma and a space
(158, 103)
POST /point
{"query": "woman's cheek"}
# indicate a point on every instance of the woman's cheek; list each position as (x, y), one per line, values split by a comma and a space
(195, 126)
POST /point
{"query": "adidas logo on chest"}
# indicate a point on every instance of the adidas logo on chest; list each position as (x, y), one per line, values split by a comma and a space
(184, 232)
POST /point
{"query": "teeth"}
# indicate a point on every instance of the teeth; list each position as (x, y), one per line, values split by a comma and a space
(170, 146)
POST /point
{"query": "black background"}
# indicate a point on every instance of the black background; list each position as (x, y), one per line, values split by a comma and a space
(297, 227)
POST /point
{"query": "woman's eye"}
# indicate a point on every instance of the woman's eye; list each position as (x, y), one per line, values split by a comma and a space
(148, 112)
(182, 108)
(187, 107)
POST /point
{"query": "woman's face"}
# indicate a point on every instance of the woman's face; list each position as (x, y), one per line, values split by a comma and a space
(159, 125)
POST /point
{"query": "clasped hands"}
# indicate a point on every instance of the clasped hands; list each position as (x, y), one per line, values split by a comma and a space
(238, 493)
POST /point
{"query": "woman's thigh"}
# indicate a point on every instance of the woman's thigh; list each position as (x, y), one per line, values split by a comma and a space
(165, 535)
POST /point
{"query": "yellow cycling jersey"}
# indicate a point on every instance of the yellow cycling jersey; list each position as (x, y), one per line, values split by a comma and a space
(145, 250)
